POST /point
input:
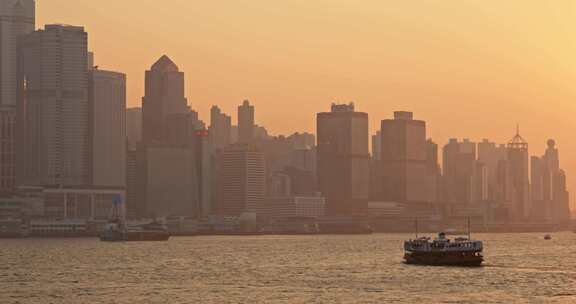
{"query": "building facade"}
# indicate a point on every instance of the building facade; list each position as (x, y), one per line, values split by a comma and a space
(343, 159)
(246, 124)
(403, 159)
(108, 128)
(17, 18)
(53, 142)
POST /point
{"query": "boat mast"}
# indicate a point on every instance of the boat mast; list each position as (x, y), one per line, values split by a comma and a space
(416, 227)
(468, 228)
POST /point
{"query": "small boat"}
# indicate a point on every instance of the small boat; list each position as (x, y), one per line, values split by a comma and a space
(442, 251)
(118, 231)
(547, 237)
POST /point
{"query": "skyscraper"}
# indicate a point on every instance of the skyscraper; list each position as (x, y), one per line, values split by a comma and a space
(133, 127)
(108, 128)
(164, 101)
(463, 175)
(343, 159)
(168, 181)
(518, 160)
(550, 200)
(220, 128)
(246, 126)
(490, 155)
(17, 18)
(53, 122)
(404, 167)
(242, 180)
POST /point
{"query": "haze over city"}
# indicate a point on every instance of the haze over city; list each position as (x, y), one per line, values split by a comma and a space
(258, 152)
(472, 69)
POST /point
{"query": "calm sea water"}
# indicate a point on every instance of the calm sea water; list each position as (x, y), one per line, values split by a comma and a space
(520, 268)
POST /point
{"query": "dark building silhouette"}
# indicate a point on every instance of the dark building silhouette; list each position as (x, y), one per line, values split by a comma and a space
(220, 128)
(433, 176)
(246, 125)
(465, 178)
(550, 200)
(518, 161)
(242, 180)
(404, 167)
(53, 116)
(164, 102)
(343, 159)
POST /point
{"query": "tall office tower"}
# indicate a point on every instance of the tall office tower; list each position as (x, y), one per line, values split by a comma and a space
(204, 172)
(133, 208)
(17, 18)
(220, 125)
(432, 171)
(463, 176)
(518, 160)
(246, 126)
(377, 145)
(490, 155)
(164, 101)
(108, 128)
(53, 142)
(343, 159)
(548, 188)
(133, 127)
(242, 180)
(404, 168)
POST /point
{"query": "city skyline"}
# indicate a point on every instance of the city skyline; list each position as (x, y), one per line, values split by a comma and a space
(407, 70)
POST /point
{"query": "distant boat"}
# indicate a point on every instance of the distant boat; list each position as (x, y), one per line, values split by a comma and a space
(118, 231)
(442, 251)
(547, 237)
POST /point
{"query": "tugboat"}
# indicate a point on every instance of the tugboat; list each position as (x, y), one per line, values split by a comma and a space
(116, 230)
(443, 251)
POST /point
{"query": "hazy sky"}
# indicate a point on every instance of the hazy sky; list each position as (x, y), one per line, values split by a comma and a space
(470, 68)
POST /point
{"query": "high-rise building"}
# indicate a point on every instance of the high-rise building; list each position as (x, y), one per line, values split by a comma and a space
(220, 125)
(432, 171)
(108, 128)
(133, 127)
(17, 18)
(490, 155)
(343, 159)
(53, 142)
(462, 180)
(550, 200)
(404, 167)
(242, 180)
(246, 125)
(377, 145)
(204, 172)
(164, 102)
(167, 165)
(518, 160)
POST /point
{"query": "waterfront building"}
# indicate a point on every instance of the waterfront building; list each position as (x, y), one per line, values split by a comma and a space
(53, 141)
(343, 159)
(403, 159)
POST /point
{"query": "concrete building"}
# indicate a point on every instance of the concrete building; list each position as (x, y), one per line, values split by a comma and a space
(433, 176)
(295, 207)
(164, 103)
(134, 208)
(133, 127)
(53, 142)
(465, 178)
(246, 125)
(108, 128)
(75, 202)
(404, 171)
(17, 18)
(343, 159)
(220, 128)
(242, 180)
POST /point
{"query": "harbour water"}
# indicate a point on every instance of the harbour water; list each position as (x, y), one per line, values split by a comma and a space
(519, 268)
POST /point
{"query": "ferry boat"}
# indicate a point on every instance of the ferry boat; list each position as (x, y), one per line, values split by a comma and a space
(443, 251)
(118, 231)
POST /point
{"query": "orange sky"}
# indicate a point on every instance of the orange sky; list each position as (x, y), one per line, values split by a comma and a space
(470, 68)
